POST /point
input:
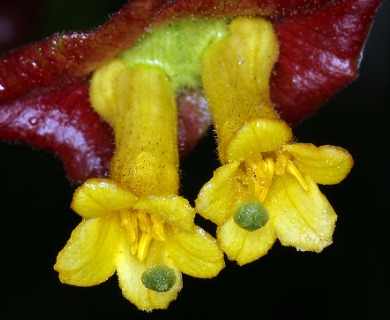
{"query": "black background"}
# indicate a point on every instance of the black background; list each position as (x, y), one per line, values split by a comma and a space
(348, 280)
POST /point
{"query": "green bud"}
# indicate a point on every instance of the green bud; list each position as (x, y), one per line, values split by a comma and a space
(251, 215)
(160, 278)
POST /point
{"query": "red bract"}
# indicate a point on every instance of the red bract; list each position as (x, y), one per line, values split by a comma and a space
(62, 121)
(321, 44)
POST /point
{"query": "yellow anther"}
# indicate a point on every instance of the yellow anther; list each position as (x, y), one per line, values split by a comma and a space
(281, 162)
(141, 228)
(158, 228)
(130, 223)
(134, 248)
(260, 174)
(249, 179)
(268, 167)
(293, 170)
(144, 222)
(143, 245)
(253, 173)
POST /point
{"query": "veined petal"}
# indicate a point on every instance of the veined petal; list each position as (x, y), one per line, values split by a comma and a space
(245, 246)
(325, 164)
(88, 257)
(195, 253)
(98, 197)
(174, 210)
(218, 196)
(130, 270)
(256, 136)
(302, 219)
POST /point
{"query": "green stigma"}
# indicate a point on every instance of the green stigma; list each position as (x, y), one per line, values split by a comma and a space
(160, 278)
(251, 215)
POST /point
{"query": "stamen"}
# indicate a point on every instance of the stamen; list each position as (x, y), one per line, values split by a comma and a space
(133, 230)
(268, 172)
(282, 159)
(143, 245)
(141, 228)
(130, 223)
(144, 222)
(293, 170)
(160, 278)
(250, 177)
(264, 172)
(251, 216)
(158, 228)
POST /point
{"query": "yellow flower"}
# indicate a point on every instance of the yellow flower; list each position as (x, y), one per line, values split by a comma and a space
(267, 186)
(134, 223)
(273, 193)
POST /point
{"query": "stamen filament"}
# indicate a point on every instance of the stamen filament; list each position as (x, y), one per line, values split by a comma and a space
(143, 245)
(293, 170)
(158, 228)
(268, 171)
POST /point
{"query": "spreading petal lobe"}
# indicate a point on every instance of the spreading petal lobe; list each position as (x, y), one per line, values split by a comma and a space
(130, 270)
(195, 253)
(174, 210)
(256, 136)
(88, 257)
(245, 246)
(219, 194)
(325, 164)
(98, 197)
(302, 219)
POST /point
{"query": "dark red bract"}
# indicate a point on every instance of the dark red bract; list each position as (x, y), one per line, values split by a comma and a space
(44, 87)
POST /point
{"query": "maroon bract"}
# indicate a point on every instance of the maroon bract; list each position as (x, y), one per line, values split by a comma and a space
(320, 54)
(320, 41)
(63, 122)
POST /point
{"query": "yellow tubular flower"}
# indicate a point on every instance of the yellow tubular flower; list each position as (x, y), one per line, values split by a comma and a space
(267, 186)
(134, 223)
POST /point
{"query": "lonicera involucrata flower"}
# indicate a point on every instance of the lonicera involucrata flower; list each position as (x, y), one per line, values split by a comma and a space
(134, 223)
(267, 186)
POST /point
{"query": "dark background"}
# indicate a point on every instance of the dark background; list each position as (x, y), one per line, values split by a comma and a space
(348, 280)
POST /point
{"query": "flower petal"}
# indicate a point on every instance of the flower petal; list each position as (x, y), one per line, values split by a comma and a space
(130, 270)
(98, 197)
(174, 210)
(245, 246)
(218, 196)
(195, 253)
(303, 219)
(325, 164)
(259, 135)
(88, 257)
